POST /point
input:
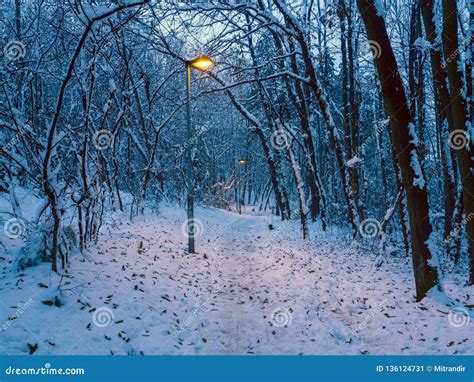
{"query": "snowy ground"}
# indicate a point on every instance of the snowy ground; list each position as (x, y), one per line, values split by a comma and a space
(249, 290)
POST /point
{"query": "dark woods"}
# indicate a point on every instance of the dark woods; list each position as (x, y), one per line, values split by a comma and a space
(349, 113)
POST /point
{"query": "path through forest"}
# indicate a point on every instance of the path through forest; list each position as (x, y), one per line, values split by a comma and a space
(250, 289)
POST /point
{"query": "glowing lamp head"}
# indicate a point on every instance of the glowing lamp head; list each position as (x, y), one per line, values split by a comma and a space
(241, 161)
(202, 63)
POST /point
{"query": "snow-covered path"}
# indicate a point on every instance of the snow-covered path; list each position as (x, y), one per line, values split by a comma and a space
(249, 290)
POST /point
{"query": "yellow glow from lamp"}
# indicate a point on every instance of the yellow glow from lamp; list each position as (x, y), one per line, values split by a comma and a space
(202, 63)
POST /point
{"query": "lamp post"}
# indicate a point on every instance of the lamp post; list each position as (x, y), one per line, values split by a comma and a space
(201, 64)
(240, 163)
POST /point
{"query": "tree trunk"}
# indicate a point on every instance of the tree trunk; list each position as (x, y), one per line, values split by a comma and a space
(318, 196)
(444, 113)
(354, 108)
(315, 85)
(278, 192)
(405, 144)
(465, 152)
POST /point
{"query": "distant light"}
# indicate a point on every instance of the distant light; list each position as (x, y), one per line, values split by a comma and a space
(202, 63)
(241, 161)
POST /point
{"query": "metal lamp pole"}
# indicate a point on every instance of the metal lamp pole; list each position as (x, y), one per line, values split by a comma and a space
(240, 163)
(189, 164)
(202, 64)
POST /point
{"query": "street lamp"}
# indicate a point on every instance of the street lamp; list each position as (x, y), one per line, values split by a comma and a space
(240, 163)
(202, 64)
